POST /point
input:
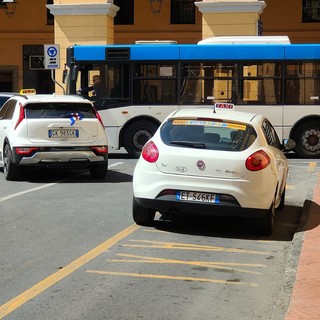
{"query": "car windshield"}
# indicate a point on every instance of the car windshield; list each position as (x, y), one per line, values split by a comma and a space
(58, 110)
(209, 134)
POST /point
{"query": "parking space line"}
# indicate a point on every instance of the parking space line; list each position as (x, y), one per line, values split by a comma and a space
(188, 246)
(46, 283)
(207, 264)
(312, 166)
(180, 278)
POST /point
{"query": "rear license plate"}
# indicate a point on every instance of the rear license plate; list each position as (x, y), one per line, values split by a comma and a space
(197, 196)
(63, 133)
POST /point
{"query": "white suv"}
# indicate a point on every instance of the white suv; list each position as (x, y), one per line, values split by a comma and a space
(51, 131)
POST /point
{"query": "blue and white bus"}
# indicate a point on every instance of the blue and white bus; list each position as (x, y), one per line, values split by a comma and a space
(145, 81)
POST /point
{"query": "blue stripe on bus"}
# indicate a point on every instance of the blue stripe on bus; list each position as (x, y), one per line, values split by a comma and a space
(232, 52)
(160, 52)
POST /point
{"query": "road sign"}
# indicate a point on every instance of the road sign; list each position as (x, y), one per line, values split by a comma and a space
(51, 56)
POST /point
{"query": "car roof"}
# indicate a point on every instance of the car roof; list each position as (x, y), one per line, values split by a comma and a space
(51, 98)
(208, 112)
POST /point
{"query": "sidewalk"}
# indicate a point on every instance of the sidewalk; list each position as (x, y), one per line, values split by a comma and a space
(305, 298)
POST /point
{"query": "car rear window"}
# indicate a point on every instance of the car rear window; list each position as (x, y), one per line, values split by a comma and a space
(208, 134)
(58, 110)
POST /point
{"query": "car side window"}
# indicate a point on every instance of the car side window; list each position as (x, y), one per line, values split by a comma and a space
(6, 112)
(10, 110)
(271, 135)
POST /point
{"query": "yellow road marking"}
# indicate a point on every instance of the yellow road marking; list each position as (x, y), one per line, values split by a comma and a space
(312, 166)
(187, 246)
(208, 264)
(158, 276)
(18, 301)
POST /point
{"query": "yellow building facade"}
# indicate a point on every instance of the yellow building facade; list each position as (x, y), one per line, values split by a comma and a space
(67, 22)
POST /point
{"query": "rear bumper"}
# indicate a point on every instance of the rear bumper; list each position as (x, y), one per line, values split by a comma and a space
(60, 158)
(172, 207)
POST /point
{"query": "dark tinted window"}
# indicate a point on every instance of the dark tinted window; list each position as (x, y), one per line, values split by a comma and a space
(271, 135)
(208, 134)
(125, 14)
(3, 100)
(183, 12)
(59, 110)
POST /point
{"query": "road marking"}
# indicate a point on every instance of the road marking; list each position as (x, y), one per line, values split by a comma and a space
(158, 276)
(46, 283)
(312, 166)
(207, 264)
(21, 193)
(188, 246)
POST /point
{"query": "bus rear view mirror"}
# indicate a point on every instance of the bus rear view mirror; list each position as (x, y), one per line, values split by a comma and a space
(74, 73)
(65, 76)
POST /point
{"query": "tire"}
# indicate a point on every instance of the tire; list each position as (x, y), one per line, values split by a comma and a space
(10, 170)
(136, 135)
(307, 138)
(98, 171)
(264, 225)
(142, 216)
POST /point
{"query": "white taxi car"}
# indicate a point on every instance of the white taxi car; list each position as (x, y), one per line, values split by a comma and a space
(212, 162)
(51, 131)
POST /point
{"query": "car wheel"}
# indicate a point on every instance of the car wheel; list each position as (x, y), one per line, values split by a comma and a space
(98, 171)
(307, 138)
(136, 135)
(10, 170)
(264, 225)
(142, 216)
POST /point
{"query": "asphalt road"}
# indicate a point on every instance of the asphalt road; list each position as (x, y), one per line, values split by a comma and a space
(70, 250)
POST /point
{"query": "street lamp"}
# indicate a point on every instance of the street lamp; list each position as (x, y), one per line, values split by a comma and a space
(9, 6)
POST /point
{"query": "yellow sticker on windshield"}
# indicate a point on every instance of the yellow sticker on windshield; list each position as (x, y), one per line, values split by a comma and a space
(207, 123)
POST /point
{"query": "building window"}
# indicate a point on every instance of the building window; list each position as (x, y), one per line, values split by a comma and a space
(311, 11)
(183, 12)
(126, 13)
(50, 17)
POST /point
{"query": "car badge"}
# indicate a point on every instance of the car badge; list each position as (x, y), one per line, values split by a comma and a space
(181, 169)
(201, 165)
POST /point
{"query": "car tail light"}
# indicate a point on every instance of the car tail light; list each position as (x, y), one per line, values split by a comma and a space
(100, 149)
(21, 116)
(257, 161)
(26, 150)
(150, 152)
(98, 116)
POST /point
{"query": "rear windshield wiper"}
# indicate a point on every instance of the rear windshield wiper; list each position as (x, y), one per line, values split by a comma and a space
(191, 144)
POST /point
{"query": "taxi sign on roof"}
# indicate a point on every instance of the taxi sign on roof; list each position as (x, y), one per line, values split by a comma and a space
(220, 105)
(28, 91)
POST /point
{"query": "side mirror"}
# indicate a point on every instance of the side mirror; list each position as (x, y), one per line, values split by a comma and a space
(74, 73)
(288, 144)
(65, 76)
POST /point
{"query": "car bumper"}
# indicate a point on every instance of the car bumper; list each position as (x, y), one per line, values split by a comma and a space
(60, 158)
(247, 194)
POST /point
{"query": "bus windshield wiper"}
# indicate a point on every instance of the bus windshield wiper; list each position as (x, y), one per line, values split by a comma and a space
(191, 144)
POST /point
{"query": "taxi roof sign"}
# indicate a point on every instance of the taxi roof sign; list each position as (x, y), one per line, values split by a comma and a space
(28, 91)
(222, 105)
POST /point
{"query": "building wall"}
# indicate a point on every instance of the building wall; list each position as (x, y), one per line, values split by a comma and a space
(27, 31)
(285, 18)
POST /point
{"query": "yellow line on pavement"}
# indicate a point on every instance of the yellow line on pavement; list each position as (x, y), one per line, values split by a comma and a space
(18, 301)
(207, 264)
(159, 276)
(188, 246)
(312, 166)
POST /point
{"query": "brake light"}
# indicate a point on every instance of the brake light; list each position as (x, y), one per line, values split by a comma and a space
(150, 152)
(21, 116)
(257, 161)
(100, 149)
(25, 150)
(98, 116)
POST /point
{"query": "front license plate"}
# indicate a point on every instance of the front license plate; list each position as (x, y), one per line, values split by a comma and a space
(197, 196)
(63, 133)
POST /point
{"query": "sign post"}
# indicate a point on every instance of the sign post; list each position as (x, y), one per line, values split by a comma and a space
(52, 60)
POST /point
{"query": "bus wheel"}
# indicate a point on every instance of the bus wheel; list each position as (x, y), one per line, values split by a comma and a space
(307, 138)
(136, 135)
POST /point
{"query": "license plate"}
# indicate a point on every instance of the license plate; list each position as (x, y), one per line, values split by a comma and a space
(63, 133)
(197, 196)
